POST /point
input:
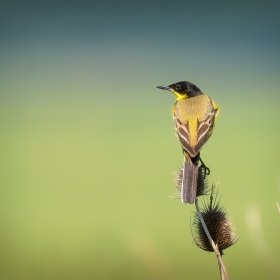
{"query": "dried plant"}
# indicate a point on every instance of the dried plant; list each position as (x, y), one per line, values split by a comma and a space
(213, 230)
(218, 224)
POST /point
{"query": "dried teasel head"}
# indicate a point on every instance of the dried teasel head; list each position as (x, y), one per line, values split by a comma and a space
(218, 225)
(178, 179)
(202, 181)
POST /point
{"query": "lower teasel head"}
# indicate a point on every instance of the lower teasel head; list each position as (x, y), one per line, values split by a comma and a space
(219, 227)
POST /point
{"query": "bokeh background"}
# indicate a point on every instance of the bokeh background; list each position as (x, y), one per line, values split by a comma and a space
(88, 148)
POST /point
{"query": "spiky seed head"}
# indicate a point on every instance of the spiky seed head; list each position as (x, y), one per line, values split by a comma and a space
(202, 181)
(219, 227)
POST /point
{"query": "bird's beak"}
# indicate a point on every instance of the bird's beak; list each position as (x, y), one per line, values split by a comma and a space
(164, 87)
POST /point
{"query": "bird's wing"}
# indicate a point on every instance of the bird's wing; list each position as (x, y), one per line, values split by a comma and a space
(194, 124)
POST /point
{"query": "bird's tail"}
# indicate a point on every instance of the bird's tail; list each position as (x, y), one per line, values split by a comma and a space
(189, 182)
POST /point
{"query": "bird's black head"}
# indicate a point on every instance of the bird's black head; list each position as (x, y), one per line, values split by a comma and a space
(182, 89)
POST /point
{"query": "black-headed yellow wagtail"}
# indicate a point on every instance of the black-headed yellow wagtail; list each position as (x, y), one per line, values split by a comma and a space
(194, 114)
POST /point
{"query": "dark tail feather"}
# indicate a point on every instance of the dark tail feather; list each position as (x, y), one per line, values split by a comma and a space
(189, 182)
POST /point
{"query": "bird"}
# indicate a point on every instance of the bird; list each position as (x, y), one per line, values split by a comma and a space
(194, 114)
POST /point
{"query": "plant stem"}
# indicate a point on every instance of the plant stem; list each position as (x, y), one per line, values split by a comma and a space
(222, 268)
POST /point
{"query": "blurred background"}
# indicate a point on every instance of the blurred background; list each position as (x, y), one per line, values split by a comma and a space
(88, 147)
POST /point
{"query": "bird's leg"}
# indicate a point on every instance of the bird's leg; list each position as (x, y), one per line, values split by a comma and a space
(207, 170)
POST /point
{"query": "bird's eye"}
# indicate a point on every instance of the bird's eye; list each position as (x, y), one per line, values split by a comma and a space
(178, 87)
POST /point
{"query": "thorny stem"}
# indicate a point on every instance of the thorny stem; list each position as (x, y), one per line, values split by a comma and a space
(222, 268)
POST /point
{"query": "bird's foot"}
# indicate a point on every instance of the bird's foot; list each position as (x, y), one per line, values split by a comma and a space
(207, 170)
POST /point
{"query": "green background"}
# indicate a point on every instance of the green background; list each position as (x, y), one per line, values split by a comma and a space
(88, 148)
